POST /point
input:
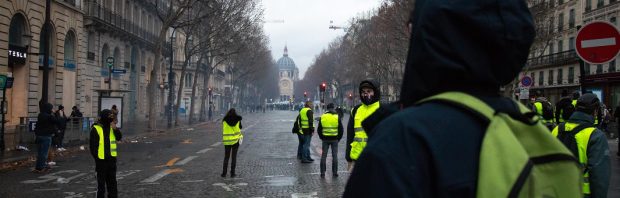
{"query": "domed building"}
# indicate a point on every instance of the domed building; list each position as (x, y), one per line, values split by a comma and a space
(288, 75)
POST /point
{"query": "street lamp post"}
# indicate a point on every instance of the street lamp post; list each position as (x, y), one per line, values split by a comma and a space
(171, 81)
(46, 53)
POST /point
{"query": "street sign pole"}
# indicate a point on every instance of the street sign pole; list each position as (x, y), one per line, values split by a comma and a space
(110, 62)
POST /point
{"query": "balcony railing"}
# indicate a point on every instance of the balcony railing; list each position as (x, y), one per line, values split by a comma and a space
(105, 15)
(564, 57)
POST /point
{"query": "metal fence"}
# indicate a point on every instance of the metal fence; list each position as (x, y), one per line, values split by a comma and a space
(77, 131)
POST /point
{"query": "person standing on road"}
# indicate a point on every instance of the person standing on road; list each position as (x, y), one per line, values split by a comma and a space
(115, 113)
(62, 126)
(231, 127)
(44, 130)
(464, 51)
(357, 137)
(306, 128)
(103, 138)
(76, 115)
(564, 108)
(588, 144)
(330, 131)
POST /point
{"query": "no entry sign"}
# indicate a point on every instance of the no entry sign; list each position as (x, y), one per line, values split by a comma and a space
(598, 42)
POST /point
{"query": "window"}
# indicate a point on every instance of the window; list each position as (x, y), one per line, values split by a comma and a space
(560, 44)
(550, 79)
(551, 24)
(541, 78)
(188, 81)
(599, 69)
(559, 2)
(560, 22)
(612, 66)
(612, 20)
(571, 18)
(571, 75)
(571, 43)
(600, 3)
(560, 76)
(533, 75)
(586, 68)
(551, 49)
(588, 5)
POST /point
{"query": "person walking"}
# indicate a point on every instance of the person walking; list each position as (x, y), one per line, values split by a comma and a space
(62, 126)
(589, 145)
(564, 108)
(357, 136)
(103, 138)
(330, 131)
(306, 128)
(44, 130)
(231, 138)
(442, 142)
(544, 109)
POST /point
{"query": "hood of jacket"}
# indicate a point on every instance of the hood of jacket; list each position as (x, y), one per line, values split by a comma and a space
(46, 108)
(473, 46)
(232, 120)
(375, 87)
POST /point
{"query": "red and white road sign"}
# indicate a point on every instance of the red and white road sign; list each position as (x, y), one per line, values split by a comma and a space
(598, 42)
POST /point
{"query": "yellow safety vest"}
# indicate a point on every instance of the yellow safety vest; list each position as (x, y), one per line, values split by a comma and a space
(303, 120)
(231, 134)
(539, 111)
(101, 149)
(582, 138)
(329, 122)
(360, 138)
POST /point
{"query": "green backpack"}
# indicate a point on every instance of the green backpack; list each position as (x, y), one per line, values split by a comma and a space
(519, 156)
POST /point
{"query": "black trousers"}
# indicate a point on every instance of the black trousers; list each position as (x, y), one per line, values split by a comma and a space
(106, 178)
(228, 150)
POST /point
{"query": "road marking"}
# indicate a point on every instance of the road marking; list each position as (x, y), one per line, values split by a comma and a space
(49, 177)
(184, 161)
(161, 174)
(172, 161)
(67, 180)
(47, 189)
(153, 183)
(203, 151)
(305, 195)
(187, 141)
(192, 181)
(598, 42)
(230, 187)
(216, 144)
(269, 176)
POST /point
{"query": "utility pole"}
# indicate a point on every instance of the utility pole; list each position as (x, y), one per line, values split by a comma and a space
(171, 109)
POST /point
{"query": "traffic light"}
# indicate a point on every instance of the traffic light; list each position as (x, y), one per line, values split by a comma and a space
(305, 94)
(350, 96)
(323, 86)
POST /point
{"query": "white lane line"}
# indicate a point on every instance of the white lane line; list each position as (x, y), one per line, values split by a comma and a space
(156, 177)
(203, 151)
(216, 144)
(598, 42)
(47, 189)
(192, 181)
(148, 184)
(184, 161)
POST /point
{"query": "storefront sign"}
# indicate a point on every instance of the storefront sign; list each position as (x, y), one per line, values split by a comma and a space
(17, 55)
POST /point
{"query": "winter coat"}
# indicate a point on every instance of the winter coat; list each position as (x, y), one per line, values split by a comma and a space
(433, 149)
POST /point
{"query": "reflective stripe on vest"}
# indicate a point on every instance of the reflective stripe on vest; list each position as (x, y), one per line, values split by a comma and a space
(329, 123)
(101, 149)
(303, 115)
(582, 138)
(231, 134)
(360, 138)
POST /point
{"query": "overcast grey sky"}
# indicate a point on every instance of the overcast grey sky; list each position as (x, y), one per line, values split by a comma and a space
(305, 29)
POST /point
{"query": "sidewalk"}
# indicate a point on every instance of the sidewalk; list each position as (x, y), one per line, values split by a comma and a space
(131, 131)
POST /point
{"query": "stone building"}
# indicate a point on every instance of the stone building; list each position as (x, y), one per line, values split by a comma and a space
(289, 74)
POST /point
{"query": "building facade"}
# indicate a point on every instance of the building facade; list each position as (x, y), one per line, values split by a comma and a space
(288, 74)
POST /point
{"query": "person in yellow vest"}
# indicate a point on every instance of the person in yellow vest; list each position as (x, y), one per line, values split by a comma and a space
(588, 144)
(231, 127)
(330, 131)
(306, 128)
(357, 137)
(103, 138)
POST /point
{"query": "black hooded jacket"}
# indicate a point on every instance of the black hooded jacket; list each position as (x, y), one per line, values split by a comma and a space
(47, 123)
(232, 120)
(432, 150)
